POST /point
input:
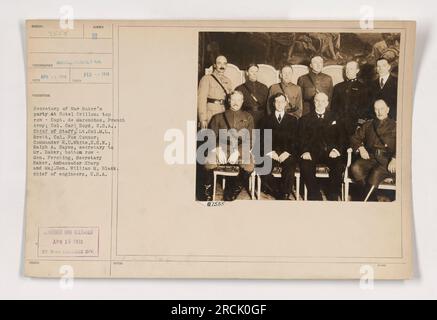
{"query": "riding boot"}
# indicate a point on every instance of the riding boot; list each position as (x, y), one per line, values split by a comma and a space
(208, 187)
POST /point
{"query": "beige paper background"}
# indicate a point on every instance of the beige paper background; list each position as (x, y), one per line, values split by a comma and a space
(151, 226)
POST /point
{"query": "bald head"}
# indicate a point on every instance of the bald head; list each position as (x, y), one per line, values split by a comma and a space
(381, 109)
(321, 102)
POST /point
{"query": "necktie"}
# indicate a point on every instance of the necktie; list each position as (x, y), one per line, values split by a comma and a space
(381, 83)
(279, 118)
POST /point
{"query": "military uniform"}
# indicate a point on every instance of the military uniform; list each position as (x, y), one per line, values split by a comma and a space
(311, 84)
(381, 151)
(255, 98)
(350, 102)
(228, 120)
(211, 97)
(294, 95)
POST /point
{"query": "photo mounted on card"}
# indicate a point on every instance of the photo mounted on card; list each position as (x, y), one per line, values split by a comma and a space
(219, 149)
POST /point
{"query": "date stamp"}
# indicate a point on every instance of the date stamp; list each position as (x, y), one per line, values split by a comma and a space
(68, 242)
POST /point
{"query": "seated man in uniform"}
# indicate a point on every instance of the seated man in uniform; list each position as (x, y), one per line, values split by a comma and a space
(375, 142)
(284, 145)
(233, 130)
(321, 142)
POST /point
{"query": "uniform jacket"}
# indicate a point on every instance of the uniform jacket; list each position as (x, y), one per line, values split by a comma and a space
(294, 94)
(209, 88)
(237, 120)
(350, 102)
(312, 83)
(259, 90)
(365, 136)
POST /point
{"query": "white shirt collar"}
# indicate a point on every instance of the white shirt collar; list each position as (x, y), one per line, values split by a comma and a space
(384, 78)
(279, 113)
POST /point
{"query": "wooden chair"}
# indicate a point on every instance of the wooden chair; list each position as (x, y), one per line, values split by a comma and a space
(276, 172)
(336, 73)
(346, 179)
(224, 171)
(233, 73)
(298, 70)
(386, 184)
(267, 74)
(322, 171)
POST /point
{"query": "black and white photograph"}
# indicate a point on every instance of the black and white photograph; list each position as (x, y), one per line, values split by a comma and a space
(301, 116)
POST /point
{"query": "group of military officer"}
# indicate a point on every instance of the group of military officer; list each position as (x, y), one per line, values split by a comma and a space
(312, 123)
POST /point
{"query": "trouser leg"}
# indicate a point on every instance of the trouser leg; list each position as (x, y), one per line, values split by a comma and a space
(270, 185)
(308, 171)
(336, 168)
(208, 183)
(379, 172)
(361, 170)
(238, 183)
(287, 177)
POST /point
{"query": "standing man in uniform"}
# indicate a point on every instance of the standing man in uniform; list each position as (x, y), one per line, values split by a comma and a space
(292, 92)
(314, 82)
(375, 142)
(385, 87)
(212, 92)
(321, 142)
(255, 95)
(233, 148)
(350, 100)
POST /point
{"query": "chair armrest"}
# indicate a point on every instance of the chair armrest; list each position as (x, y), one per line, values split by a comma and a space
(348, 164)
(349, 157)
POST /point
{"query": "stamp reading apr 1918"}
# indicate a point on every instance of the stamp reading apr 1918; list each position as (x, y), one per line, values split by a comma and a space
(68, 242)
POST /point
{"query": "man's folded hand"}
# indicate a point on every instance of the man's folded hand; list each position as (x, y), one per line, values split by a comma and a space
(363, 153)
(273, 155)
(306, 156)
(233, 158)
(392, 166)
(284, 156)
(221, 155)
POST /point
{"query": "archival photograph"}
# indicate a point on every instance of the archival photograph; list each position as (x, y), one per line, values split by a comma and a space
(273, 153)
(297, 116)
